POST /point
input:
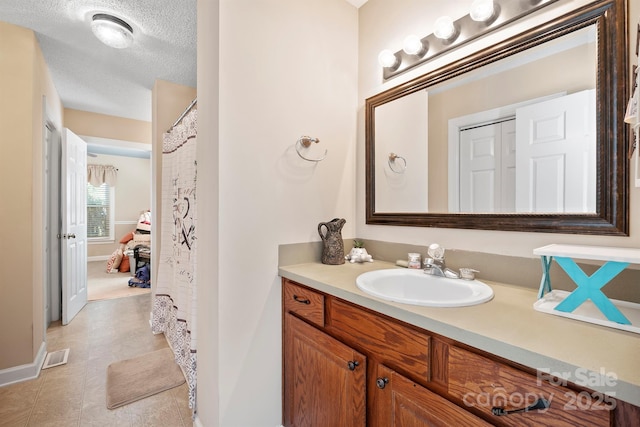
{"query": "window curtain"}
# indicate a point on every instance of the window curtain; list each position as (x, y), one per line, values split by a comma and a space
(101, 174)
(174, 304)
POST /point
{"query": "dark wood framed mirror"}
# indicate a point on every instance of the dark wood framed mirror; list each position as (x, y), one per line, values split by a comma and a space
(608, 205)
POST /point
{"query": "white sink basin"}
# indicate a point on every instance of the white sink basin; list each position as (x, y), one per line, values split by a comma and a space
(417, 288)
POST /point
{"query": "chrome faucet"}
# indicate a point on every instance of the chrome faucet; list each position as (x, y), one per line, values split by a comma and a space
(438, 268)
(434, 267)
(434, 263)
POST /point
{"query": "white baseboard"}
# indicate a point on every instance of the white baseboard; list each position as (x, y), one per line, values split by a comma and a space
(198, 423)
(25, 372)
(98, 258)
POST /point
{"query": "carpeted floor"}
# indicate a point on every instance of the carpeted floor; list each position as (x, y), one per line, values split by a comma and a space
(103, 285)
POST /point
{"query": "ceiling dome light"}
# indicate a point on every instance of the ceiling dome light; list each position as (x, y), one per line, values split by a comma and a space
(412, 45)
(112, 31)
(388, 59)
(482, 10)
(444, 28)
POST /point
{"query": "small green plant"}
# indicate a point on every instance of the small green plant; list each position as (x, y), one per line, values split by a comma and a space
(358, 244)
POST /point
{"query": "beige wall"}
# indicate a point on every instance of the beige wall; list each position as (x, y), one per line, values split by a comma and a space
(384, 24)
(104, 126)
(132, 196)
(24, 84)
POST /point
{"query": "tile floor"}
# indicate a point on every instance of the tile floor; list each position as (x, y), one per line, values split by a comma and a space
(74, 394)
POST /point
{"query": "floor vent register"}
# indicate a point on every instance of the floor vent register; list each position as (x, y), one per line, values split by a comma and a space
(56, 358)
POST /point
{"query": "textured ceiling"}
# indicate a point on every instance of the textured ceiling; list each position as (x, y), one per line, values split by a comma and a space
(92, 77)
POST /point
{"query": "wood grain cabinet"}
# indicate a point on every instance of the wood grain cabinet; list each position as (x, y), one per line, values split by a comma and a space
(345, 365)
(324, 380)
(396, 401)
(484, 384)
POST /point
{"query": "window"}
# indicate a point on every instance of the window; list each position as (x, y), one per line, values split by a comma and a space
(100, 212)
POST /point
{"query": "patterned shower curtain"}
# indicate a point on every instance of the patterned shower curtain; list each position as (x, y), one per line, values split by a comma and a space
(174, 305)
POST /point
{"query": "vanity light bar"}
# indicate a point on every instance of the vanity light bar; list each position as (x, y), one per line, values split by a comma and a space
(466, 30)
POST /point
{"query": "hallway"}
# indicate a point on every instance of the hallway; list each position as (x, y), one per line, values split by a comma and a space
(74, 394)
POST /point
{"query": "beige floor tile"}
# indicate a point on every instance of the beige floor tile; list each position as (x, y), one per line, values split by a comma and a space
(74, 372)
(181, 398)
(54, 413)
(96, 377)
(95, 394)
(75, 394)
(96, 414)
(160, 400)
(20, 394)
(15, 418)
(168, 416)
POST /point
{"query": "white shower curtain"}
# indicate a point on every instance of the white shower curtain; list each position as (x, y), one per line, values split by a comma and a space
(174, 305)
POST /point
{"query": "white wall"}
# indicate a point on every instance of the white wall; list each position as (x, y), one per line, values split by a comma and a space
(207, 252)
(384, 24)
(401, 128)
(287, 68)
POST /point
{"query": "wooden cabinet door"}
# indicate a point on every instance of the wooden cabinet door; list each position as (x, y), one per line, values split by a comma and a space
(324, 380)
(483, 384)
(399, 402)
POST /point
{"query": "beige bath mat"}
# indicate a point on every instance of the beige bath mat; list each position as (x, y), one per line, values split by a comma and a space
(143, 376)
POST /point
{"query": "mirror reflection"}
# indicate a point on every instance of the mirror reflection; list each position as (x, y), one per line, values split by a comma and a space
(515, 136)
(445, 149)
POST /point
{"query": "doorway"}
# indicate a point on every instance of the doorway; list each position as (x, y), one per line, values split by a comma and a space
(131, 195)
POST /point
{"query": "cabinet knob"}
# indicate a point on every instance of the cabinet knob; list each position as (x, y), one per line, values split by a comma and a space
(353, 364)
(382, 382)
(539, 404)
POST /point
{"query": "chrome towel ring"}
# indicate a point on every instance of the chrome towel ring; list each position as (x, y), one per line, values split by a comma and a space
(303, 143)
(394, 161)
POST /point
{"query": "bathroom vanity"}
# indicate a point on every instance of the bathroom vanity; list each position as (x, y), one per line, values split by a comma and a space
(350, 359)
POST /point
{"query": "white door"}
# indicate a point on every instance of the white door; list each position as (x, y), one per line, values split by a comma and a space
(480, 169)
(508, 166)
(556, 155)
(487, 168)
(74, 225)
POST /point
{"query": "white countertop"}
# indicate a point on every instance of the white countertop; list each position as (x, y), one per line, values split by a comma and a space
(506, 326)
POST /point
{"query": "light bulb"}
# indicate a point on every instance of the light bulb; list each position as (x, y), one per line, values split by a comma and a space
(444, 28)
(482, 10)
(387, 59)
(412, 45)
